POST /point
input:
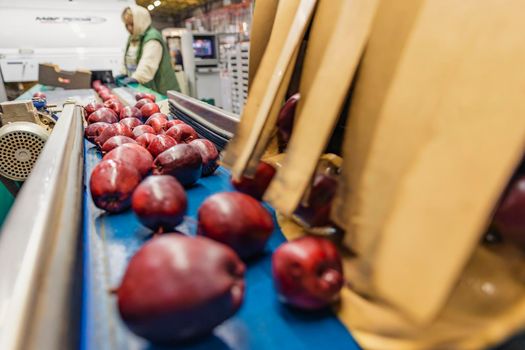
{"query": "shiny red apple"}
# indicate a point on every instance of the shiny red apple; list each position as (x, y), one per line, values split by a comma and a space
(160, 202)
(103, 114)
(115, 105)
(237, 220)
(113, 130)
(96, 84)
(257, 185)
(115, 141)
(209, 154)
(92, 107)
(177, 288)
(182, 161)
(157, 115)
(142, 102)
(314, 210)
(157, 122)
(149, 109)
(109, 96)
(112, 183)
(94, 130)
(141, 95)
(182, 133)
(131, 123)
(159, 144)
(307, 272)
(145, 139)
(509, 218)
(130, 112)
(133, 154)
(285, 120)
(173, 122)
(104, 94)
(142, 129)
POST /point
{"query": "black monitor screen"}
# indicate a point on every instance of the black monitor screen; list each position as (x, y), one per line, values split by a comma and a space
(204, 46)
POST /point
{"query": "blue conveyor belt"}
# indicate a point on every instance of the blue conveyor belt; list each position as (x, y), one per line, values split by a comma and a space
(262, 322)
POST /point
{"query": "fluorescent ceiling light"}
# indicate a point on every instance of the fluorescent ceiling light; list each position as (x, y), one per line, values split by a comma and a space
(150, 7)
(157, 3)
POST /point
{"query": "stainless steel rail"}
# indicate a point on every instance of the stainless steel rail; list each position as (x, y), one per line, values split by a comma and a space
(39, 246)
(204, 113)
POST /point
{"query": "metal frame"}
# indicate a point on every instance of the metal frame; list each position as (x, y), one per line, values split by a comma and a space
(205, 114)
(39, 260)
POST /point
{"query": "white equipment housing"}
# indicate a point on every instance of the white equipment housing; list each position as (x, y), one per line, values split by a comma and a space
(180, 39)
(75, 34)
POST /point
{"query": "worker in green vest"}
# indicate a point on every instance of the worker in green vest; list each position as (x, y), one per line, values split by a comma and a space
(147, 60)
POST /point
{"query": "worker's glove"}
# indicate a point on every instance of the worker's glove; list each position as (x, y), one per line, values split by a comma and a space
(129, 80)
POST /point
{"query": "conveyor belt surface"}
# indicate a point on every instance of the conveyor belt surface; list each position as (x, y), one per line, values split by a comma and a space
(262, 322)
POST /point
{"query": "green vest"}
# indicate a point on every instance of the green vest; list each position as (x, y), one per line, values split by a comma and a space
(164, 78)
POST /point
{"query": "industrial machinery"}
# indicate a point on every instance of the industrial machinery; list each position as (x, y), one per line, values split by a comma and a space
(180, 45)
(23, 133)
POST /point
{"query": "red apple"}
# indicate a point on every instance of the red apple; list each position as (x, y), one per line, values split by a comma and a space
(103, 114)
(109, 96)
(96, 84)
(158, 115)
(285, 120)
(177, 288)
(39, 94)
(141, 95)
(149, 109)
(142, 102)
(157, 122)
(307, 272)
(112, 183)
(209, 155)
(145, 139)
(314, 211)
(509, 218)
(160, 202)
(115, 141)
(131, 123)
(173, 122)
(113, 130)
(94, 130)
(115, 105)
(159, 144)
(133, 154)
(130, 112)
(182, 161)
(92, 107)
(257, 185)
(236, 220)
(142, 129)
(182, 133)
(104, 93)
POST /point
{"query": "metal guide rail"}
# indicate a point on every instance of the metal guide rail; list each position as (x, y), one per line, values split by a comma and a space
(210, 122)
(39, 246)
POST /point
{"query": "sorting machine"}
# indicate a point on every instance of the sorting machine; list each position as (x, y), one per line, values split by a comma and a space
(60, 256)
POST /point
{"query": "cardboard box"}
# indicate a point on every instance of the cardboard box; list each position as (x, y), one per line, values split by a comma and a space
(52, 75)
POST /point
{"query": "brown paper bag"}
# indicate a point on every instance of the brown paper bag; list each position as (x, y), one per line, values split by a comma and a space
(262, 23)
(329, 66)
(271, 80)
(434, 132)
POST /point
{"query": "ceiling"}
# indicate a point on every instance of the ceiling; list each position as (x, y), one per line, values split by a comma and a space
(171, 7)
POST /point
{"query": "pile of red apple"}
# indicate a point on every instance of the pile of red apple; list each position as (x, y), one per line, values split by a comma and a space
(148, 161)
